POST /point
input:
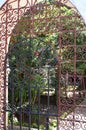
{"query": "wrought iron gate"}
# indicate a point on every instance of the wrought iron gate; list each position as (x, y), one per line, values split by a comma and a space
(46, 59)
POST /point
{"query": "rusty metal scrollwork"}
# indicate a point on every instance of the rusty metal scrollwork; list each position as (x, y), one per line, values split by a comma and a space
(56, 20)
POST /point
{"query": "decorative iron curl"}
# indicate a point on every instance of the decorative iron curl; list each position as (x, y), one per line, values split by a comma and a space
(77, 125)
(2, 31)
(83, 126)
(77, 116)
(3, 18)
(66, 125)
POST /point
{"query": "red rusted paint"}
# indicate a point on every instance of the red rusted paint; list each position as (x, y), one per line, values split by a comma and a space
(10, 16)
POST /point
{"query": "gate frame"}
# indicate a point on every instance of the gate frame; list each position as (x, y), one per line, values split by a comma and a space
(10, 13)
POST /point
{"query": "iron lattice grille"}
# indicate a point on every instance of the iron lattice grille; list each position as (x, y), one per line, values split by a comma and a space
(29, 79)
(46, 52)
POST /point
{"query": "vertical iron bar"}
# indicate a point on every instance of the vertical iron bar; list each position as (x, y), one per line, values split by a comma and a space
(58, 101)
(47, 122)
(21, 105)
(12, 101)
(39, 106)
(74, 96)
(29, 112)
(29, 87)
(20, 95)
(59, 71)
(56, 93)
(48, 100)
(59, 74)
(48, 87)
